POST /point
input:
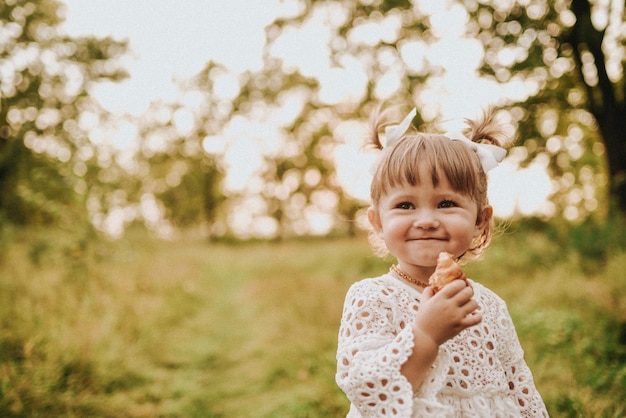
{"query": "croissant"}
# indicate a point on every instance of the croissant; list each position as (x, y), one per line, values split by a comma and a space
(446, 271)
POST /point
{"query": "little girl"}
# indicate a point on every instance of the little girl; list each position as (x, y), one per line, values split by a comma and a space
(403, 350)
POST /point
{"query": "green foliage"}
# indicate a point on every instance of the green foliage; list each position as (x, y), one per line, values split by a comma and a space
(589, 242)
(574, 117)
(143, 328)
(46, 159)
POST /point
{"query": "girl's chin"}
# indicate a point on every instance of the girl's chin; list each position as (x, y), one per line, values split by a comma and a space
(423, 262)
(420, 262)
(423, 266)
(429, 256)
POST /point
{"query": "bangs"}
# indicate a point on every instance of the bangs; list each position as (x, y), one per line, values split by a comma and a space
(440, 156)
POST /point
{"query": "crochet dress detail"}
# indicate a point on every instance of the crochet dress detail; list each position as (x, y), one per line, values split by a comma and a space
(479, 373)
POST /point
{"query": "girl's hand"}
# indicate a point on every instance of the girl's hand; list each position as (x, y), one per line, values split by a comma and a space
(440, 317)
(447, 313)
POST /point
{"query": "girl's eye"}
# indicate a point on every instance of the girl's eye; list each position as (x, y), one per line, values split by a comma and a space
(405, 205)
(447, 204)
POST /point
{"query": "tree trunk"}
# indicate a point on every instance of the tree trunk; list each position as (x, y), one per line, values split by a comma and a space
(612, 125)
(607, 106)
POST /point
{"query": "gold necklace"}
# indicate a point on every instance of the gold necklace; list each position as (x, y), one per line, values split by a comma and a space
(408, 278)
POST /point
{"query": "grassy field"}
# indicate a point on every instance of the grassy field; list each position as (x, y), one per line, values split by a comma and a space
(146, 328)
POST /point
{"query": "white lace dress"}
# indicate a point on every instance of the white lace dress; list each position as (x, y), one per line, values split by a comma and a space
(479, 373)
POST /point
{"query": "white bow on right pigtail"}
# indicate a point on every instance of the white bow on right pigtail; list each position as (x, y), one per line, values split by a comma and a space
(489, 155)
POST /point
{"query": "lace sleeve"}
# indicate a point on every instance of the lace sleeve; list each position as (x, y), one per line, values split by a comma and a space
(374, 341)
(520, 379)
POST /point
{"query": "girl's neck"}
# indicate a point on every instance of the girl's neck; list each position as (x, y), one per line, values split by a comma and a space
(421, 273)
(418, 277)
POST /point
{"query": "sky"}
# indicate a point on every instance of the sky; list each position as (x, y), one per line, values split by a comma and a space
(172, 40)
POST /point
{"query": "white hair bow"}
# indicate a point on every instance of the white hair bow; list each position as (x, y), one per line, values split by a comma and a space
(488, 154)
(394, 132)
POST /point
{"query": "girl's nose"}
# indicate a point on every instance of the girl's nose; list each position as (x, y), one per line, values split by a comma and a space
(426, 221)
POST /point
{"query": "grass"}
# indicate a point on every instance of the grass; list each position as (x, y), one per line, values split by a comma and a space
(146, 328)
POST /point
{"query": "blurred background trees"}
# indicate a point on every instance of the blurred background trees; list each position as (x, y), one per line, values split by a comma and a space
(573, 54)
(568, 57)
(48, 165)
(563, 61)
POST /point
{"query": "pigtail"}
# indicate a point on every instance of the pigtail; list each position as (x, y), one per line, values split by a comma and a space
(373, 140)
(379, 121)
(486, 129)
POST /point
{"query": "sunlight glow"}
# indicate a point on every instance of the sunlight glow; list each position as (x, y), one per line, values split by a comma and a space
(175, 42)
(243, 159)
(305, 48)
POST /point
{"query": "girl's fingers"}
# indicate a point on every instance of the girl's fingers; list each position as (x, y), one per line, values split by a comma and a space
(463, 294)
(470, 307)
(472, 319)
(427, 293)
(449, 311)
(453, 288)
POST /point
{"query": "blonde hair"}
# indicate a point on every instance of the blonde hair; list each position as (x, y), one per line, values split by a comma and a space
(453, 160)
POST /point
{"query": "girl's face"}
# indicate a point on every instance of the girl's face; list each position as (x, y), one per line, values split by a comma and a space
(418, 222)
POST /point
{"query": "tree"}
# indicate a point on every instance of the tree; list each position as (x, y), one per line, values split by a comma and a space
(298, 187)
(184, 179)
(47, 162)
(294, 174)
(574, 53)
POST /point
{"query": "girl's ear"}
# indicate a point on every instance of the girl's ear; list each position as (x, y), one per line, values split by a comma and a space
(374, 218)
(483, 219)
